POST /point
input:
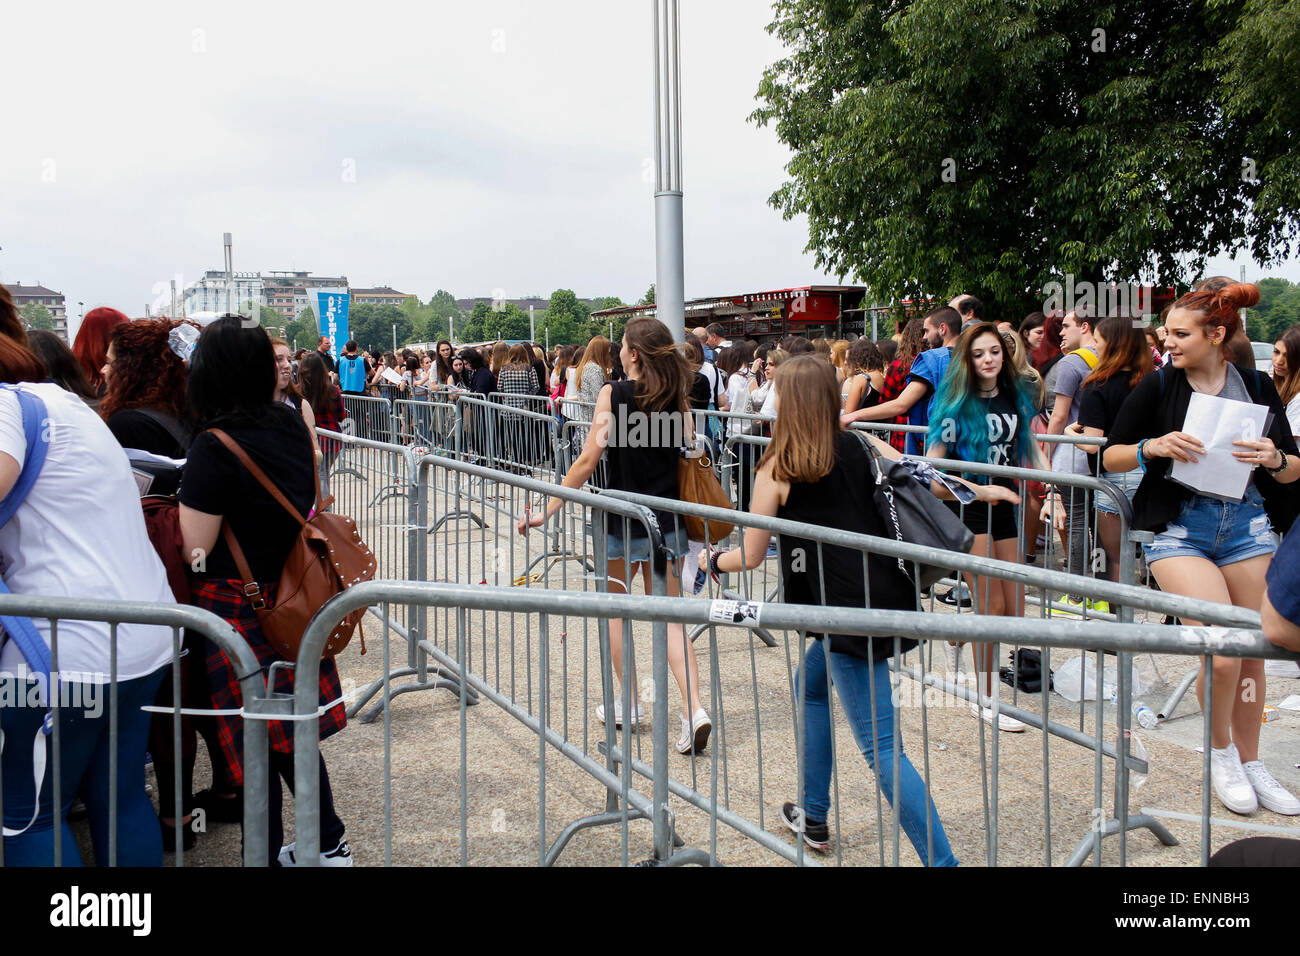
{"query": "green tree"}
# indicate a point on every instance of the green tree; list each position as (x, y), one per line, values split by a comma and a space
(942, 146)
(649, 297)
(1277, 311)
(37, 318)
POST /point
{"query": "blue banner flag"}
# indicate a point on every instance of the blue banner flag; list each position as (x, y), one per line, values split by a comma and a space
(332, 312)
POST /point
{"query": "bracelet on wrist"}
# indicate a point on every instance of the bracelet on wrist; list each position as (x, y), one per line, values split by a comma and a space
(1142, 460)
(1281, 467)
(713, 562)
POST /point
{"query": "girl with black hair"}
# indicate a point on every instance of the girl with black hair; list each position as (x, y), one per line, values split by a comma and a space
(231, 383)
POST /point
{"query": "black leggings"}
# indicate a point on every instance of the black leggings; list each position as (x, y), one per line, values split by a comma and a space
(331, 827)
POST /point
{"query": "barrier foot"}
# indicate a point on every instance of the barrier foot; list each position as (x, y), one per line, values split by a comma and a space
(445, 679)
(1112, 827)
(614, 818)
(685, 858)
(452, 516)
(389, 491)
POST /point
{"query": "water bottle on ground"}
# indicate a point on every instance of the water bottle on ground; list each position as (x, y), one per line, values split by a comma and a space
(1144, 715)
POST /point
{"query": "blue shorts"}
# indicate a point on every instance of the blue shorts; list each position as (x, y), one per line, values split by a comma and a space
(1220, 531)
(1125, 481)
(637, 550)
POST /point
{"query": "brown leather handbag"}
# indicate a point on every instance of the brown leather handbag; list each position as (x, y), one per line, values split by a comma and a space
(697, 483)
(327, 557)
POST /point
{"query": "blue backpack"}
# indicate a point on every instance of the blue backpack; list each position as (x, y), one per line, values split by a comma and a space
(21, 630)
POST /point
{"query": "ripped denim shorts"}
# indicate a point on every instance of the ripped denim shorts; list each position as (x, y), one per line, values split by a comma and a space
(1224, 532)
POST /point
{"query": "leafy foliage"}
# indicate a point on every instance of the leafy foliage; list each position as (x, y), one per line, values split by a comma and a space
(945, 146)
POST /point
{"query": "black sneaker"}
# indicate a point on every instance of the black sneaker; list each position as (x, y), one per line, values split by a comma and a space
(952, 599)
(815, 833)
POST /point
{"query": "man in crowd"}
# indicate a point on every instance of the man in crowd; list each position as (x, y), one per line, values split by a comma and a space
(942, 326)
(714, 340)
(702, 334)
(352, 370)
(323, 347)
(969, 308)
(1080, 358)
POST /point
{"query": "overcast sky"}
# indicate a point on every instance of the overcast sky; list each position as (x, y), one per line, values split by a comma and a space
(466, 146)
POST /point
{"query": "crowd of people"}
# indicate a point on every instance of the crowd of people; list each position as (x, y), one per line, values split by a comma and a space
(133, 406)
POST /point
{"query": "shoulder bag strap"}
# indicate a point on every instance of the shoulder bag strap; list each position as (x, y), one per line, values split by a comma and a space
(233, 447)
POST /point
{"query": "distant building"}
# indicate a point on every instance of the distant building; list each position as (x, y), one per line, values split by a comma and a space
(288, 293)
(39, 295)
(380, 296)
(210, 294)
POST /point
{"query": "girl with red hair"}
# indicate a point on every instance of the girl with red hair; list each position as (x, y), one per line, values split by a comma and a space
(91, 344)
(1204, 546)
(144, 404)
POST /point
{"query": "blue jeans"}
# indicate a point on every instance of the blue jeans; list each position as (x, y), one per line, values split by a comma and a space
(853, 678)
(1220, 531)
(85, 751)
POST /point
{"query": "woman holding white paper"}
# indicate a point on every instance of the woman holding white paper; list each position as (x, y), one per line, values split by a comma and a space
(1211, 547)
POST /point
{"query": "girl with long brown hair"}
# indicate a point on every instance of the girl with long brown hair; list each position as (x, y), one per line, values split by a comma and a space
(1286, 374)
(589, 375)
(1204, 546)
(1123, 361)
(910, 346)
(643, 460)
(814, 471)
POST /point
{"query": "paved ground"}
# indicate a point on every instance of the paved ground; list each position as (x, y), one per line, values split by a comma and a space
(503, 775)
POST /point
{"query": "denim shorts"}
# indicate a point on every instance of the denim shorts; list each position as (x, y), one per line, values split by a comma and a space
(1221, 531)
(1125, 481)
(637, 550)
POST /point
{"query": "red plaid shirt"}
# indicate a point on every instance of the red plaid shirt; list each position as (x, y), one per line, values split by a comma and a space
(895, 382)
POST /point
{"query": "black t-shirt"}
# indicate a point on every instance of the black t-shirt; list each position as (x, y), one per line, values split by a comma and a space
(699, 394)
(217, 483)
(135, 428)
(642, 456)
(1100, 405)
(329, 360)
(843, 500)
(1003, 421)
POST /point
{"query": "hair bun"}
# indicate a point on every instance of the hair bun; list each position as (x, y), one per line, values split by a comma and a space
(1239, 295)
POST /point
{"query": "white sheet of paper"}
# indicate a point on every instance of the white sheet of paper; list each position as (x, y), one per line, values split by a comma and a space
(392, 377)
(1218, 422)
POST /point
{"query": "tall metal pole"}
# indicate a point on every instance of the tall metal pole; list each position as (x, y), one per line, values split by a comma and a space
(670, 283)
(532, 326)
(230, 274)
(172, 314)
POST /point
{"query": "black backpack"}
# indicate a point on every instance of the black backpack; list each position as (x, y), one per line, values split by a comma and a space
(1026, 671)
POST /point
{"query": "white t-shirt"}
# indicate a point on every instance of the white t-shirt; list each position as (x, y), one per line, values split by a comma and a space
(737, 386)
(80, 533)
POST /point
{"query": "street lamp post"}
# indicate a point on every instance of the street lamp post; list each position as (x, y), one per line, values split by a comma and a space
(670, 294)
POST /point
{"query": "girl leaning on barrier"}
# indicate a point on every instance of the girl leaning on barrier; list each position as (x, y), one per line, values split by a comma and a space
(78, 532)
(1209, 547)
(816, 472)
(982, 413)
(657, 383)
(232, 380)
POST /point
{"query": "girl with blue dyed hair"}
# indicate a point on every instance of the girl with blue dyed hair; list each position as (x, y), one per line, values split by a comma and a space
(982, 413)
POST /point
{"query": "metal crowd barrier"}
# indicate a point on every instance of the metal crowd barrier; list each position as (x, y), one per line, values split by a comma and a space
(548, 605)
(257, 707)
(497, 650)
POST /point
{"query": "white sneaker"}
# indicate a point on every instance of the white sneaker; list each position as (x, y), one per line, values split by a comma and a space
(637, 715)
(341, 855)
(695, 735)
(1008, 724)
(1231, 785)
(1272, 795)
